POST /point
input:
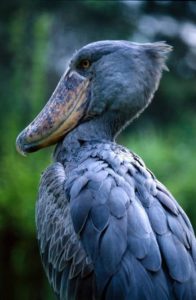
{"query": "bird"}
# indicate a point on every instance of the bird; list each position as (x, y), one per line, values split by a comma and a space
(107, 228)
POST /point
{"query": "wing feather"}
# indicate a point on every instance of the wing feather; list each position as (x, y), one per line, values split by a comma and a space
(63, 256)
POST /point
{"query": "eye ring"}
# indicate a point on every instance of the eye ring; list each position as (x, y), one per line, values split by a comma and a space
(85, 64)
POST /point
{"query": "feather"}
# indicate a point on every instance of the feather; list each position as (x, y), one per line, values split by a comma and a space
(100, 216)
(79, 209)
(152, 261)
(90, 237)
(177, 229)
(113, 244)
(167, 202)
(77, 186)
(117, 202)
(176, 257)
(102, 194)
(157, 218)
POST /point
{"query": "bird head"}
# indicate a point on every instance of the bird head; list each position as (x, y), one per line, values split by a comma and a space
(106, 78)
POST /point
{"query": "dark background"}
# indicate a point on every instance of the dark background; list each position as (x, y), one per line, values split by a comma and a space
(37, 38)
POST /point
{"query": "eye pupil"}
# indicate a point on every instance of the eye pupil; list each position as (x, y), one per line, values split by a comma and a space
(85, 63)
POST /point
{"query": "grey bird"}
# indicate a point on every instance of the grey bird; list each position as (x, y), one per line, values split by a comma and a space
(106, 227)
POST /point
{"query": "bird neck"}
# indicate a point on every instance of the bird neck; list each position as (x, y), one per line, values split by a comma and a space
(94, 129)
(103, 128)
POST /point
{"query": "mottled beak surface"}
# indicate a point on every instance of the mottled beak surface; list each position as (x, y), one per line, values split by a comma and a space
(63, 111)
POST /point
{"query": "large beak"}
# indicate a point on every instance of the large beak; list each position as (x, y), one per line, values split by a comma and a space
(63, 111)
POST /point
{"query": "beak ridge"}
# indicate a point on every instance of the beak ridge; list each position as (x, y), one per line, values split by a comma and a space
(63, 111)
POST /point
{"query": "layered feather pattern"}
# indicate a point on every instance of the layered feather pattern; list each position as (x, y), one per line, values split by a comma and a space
(108, 229)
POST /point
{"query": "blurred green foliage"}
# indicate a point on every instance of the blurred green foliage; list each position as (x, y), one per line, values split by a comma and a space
(38, 36)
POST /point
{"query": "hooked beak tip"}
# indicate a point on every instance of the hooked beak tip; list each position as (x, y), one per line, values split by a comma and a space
(20, 146)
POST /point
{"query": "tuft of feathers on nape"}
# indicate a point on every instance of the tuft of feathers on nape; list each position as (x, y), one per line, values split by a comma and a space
(159, 51)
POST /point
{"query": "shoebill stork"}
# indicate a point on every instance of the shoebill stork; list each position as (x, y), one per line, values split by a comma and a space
(106, 227)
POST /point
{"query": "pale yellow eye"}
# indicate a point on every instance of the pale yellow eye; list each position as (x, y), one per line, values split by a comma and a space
(85, 64)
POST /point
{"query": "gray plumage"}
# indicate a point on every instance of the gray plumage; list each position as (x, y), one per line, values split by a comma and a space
(130, 248)
(107, 228)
